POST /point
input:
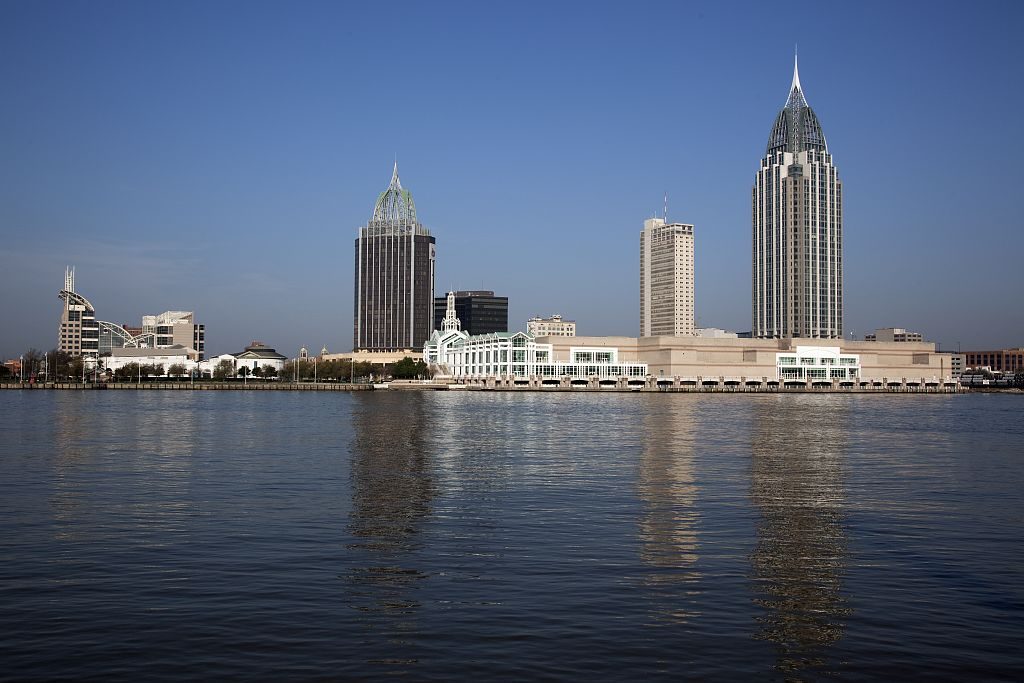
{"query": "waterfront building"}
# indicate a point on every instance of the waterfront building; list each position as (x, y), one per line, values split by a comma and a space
(259, 355)
(954, 361)
(666, 278)
(81, 334)
(739, 360)
(518, 354)
(175, 328)
(435, 350)
(165, 357)
(797, 283)
(394, 276)
(554, 326)
(817, 363)
(1002, 360)
(893, 334)
(479, 311)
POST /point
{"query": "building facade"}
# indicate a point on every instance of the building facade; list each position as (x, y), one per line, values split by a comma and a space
(518, 354)
(1003, 360)
(692, 357)
(175, 328)
(797, 283)
(666, 279)
(394, 276)
(893, 334)
(79, 333)
(551, 327)
(165, 357)
(479, 311)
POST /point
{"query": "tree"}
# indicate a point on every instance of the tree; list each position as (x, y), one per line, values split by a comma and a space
(29, 360)
(76, 367)
(362, 370)
(224, 369)
(244, 371)
(1018, 379)
(127, 372)
(176, 370)
(5, 372)
(407, 368)
(58, 365)
(257, 371)
(269, 371)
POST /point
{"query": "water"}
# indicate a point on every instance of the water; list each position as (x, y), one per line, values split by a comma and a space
(498, 536)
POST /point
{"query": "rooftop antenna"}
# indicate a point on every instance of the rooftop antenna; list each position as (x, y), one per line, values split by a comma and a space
(665, 215)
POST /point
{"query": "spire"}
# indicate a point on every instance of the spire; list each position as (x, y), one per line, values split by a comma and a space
(395, 208)
(796, 127)
(395, 182)
(796, 74)
(451, 322)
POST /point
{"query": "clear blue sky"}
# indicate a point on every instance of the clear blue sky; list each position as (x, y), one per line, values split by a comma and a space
(220, 156)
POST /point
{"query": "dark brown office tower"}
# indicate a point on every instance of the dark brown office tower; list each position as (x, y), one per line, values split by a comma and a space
(479, 311)
(394, 271)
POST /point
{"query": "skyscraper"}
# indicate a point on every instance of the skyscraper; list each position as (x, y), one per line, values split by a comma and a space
(666, 279)
(394, 276)
(797, 284)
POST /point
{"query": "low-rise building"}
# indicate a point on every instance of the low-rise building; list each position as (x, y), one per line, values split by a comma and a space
(173, 355)
(259, 355)
(893, 334)
(554, 326)
(1002, 360)
(518, 354)
(671, 356)
(954, 362)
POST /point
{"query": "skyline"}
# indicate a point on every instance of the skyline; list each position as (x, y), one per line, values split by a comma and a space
(230, 178)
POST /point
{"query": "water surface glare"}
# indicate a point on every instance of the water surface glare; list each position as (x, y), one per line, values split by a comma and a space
(510, 536)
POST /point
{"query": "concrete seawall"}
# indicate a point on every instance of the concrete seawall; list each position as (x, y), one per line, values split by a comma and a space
(187, 386)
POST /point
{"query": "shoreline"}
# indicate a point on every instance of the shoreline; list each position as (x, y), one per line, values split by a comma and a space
(894, 388)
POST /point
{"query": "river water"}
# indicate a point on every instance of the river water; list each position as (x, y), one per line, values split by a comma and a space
(511, 536)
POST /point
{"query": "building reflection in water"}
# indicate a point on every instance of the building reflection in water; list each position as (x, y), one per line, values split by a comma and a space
(392, 490)
(800, 556)
(668, 528)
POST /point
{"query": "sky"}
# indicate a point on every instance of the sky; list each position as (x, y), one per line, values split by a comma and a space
(220, 156)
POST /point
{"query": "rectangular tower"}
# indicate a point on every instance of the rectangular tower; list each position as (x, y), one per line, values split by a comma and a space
(394, 276)
(797, 215)
(666, 279)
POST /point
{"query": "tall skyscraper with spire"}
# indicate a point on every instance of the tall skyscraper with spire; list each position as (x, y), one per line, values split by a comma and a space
(798, 229)
(394, 273)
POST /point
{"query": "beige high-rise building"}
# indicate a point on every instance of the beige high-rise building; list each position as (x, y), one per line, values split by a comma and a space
(666, 279)
(797, 281)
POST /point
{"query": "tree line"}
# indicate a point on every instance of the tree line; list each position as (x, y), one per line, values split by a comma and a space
(60, 366)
